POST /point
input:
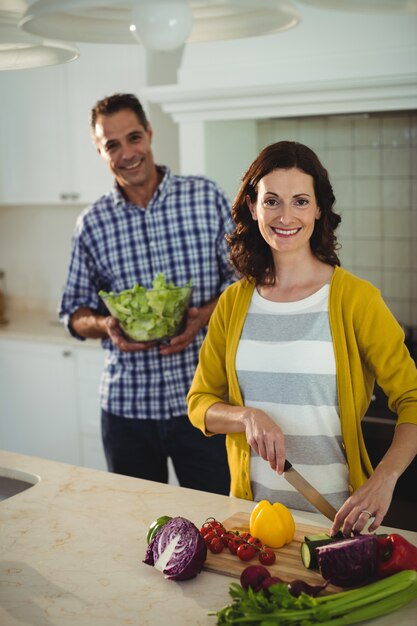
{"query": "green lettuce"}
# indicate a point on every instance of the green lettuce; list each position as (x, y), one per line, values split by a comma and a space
(149, 314)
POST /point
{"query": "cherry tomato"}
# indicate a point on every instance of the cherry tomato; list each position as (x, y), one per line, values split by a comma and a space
(204, 530)
(267, 556)
(209, 536)
(245, 536)
(216, 545)
(255, 541)
(246, 552)
(226, 537)
(234, 544)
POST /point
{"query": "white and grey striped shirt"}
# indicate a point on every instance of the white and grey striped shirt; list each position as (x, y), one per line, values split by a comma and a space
(286, 367)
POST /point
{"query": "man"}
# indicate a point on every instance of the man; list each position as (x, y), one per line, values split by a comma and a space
(152, 221)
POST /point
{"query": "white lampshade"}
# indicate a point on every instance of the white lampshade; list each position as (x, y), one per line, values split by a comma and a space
(366, 6)
(109, 21)
(20, 50)
(162, 24)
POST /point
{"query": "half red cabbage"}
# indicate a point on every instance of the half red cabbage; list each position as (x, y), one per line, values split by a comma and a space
(178, 550)
(350, 562)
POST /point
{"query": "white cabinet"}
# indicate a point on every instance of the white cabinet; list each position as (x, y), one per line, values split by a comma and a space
(89, 370)
(44, 123)
(49, 401)
(38, 406)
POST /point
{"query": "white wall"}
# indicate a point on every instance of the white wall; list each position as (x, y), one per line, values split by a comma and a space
(324, 45)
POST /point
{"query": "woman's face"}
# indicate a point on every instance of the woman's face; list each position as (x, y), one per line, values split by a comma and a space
(286, 209)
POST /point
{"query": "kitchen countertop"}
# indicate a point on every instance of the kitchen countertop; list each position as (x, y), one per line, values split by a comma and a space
(40, 326)
(71, 550)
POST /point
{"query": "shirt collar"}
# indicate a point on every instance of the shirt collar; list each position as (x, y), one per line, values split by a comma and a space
(160, 192)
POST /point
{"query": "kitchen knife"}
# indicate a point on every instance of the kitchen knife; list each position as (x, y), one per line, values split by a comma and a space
(308, 491)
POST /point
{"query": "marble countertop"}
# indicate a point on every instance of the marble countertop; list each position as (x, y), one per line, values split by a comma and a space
(71, 550)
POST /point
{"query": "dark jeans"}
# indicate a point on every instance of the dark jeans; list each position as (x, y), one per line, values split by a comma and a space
(140, 448)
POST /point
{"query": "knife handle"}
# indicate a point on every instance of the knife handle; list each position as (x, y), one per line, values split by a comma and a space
(287, 465)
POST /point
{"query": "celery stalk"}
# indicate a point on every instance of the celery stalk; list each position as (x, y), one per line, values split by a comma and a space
(338, 609)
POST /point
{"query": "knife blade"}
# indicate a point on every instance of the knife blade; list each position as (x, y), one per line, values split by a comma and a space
(308, 491)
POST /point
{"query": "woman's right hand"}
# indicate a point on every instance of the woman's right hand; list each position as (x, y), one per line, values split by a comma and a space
(265, 437)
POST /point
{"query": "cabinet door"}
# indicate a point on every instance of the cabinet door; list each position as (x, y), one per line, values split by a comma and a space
(44, 122)
(38, 407)
(89, 370)
(32, 127)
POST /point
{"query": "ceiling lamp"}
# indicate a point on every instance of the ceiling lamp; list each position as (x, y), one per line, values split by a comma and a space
(19, 50)
(366, 6)
(158, 24)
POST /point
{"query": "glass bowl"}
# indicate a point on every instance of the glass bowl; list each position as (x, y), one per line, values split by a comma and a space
(149, 314)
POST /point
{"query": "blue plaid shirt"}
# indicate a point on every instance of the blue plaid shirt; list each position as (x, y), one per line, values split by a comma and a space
(116, 244)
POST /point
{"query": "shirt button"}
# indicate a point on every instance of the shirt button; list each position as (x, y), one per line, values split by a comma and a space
(152, 244)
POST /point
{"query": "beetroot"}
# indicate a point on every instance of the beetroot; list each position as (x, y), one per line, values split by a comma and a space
(252, 576)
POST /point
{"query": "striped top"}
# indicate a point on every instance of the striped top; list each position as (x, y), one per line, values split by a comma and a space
(286, 367)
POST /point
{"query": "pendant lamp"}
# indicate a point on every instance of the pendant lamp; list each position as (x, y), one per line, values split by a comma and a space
(366, 6)
(157, 24)
(21, 50)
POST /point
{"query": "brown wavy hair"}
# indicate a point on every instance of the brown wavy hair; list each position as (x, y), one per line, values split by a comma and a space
(249, 253)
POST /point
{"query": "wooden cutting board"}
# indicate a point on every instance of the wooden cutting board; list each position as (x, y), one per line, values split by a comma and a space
(288, 564)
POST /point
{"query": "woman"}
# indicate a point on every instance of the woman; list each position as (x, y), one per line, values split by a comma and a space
(294, 348)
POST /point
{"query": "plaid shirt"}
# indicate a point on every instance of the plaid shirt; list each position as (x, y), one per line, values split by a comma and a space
(116, 244)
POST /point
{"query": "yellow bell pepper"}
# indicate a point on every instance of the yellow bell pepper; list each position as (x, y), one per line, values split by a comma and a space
(273, 524)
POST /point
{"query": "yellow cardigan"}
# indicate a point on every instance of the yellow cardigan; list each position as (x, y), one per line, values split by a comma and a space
(368, 344)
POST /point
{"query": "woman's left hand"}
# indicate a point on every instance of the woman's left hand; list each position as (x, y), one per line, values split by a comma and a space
(371, 501)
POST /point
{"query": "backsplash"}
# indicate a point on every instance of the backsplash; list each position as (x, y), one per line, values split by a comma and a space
(372, 163)
(34, 252)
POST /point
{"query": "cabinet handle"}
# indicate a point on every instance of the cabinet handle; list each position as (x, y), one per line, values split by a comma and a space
(66, 353)
(69, 196)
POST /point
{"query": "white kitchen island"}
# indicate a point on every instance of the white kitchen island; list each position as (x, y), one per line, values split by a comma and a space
(71, 550)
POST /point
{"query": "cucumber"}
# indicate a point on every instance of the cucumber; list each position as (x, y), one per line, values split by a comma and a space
(308, 549)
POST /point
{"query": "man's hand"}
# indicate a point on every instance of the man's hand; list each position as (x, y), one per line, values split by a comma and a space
(196, 319)
(119, 340)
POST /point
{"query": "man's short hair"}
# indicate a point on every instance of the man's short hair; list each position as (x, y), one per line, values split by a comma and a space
(113, 104)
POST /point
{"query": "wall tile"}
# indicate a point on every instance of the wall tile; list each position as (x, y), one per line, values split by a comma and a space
(372, 163)
(396, 130)
(395, 192)
(396, 161)
(347, 225)
(339, 163)
(396, 223)
(373, 275)
(366, 162)
(347, 252)
(401, 309)
(367, 131)
(343, 191)
(339, 132)
(368, 222)
(368, 253)
(413, 129)
(397, 284)
(313, 133)
(367, 192)
(396, 254)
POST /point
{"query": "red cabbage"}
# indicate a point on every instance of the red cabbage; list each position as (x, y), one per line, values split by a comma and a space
(178, 550)
(350, 562)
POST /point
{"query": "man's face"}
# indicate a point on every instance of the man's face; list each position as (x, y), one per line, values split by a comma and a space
(125, 145)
